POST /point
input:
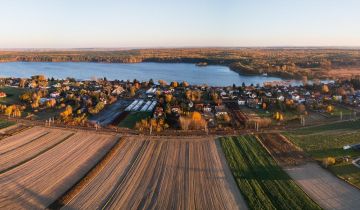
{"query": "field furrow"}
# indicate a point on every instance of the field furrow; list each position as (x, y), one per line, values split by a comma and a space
(262, 182)
(326, 189)
(33, 148)
(19, 139)
(162, 174)
(40, 181)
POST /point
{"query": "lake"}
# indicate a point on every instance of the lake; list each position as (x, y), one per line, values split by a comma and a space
(210, 75)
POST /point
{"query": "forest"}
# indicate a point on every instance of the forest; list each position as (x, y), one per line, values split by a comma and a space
(292, 63)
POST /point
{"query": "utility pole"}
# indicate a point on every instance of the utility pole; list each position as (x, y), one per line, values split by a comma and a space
(302, 120)
(341, 116)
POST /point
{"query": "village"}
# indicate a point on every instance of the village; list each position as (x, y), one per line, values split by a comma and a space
(150, 106)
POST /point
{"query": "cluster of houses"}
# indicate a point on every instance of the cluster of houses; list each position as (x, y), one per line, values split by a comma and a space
(152, 97)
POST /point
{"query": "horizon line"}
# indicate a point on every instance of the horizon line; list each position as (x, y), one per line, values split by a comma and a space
(179, 47)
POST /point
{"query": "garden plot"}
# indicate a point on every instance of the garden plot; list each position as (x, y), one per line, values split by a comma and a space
(282, 150)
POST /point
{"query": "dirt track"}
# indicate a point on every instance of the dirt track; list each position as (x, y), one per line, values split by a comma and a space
(324, 188)
(163, 174)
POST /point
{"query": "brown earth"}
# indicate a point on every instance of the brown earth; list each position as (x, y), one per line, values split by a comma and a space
(163, 173)
(324, 188)
(283, 151)
(38, 182)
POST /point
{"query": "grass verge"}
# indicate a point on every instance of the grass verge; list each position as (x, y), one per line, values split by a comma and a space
(5, 123)
(328, 141)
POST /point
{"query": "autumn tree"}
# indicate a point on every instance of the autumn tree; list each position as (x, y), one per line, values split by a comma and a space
(168, 98)
(301, 108)
(174, 84)
(50, 103)
(162, 83)
(67, 113)
(132, 91)
(184, 84)
(195, 121)
(325, 88)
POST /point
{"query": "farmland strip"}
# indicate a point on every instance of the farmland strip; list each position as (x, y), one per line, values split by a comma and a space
(91, 197)
(37, 183)
(23, 145)
(72, 192)
(263, 183)
(36, 155)
(126, 175)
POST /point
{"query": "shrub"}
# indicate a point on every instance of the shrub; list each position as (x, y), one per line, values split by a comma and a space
(328, 161)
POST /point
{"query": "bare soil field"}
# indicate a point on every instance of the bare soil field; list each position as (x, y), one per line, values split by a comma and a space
(40, 181)
(29, 146)
(21, 138)
(284, 152)
(11, 130)
(324, 188)
(162, 173)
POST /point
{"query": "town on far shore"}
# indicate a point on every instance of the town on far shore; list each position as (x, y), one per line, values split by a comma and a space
(153, 107)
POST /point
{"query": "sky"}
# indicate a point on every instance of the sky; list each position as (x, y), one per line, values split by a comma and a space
(181, 23)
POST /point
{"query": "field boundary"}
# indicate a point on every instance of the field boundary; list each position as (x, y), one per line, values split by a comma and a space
(18, 129)
(283, 168)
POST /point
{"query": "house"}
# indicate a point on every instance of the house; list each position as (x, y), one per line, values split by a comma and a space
(337, 98)
(54, 94)
(241, 102)
(176, 110)
(220, 110)
(43, 100)
(118, 90)
(281, 98)
(2, 95)
(207, 109)
(57, 85)
(295, 97)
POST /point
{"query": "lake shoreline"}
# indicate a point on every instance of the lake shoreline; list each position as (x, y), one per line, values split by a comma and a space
(283, 76)
(212, 75)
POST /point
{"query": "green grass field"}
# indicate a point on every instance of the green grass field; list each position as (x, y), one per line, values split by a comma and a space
(328, 141)
(262, 182)
(133, 118)
(13, 95)
(4, 123)
(345, 126)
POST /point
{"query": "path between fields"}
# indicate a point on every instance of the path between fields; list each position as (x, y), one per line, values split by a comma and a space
(232, 186)
(324, 188)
